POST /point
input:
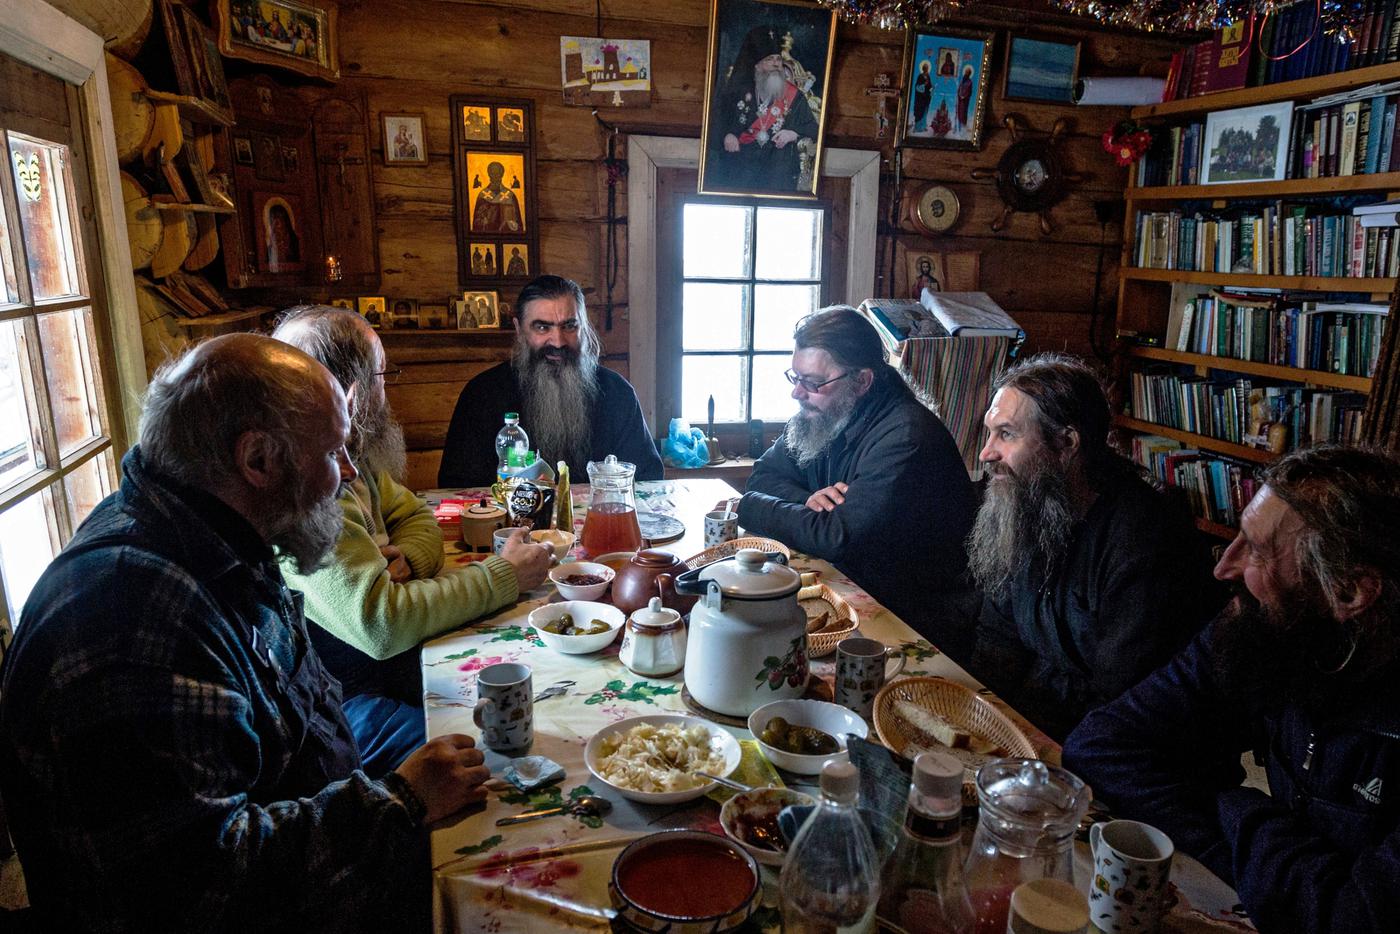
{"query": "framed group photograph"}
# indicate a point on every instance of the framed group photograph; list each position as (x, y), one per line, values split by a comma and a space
(493, 166)
(766, 83)
(945, 88)
(1040, 70)
(405, 139)
(1248, 144)
(478, 311)
(294, 34)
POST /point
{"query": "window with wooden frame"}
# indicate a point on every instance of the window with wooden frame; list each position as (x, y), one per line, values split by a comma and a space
(57, 451)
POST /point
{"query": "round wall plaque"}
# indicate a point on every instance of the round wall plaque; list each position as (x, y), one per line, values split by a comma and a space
(935, 209)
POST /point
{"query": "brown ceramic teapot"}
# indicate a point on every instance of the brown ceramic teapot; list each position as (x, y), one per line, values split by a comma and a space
(650, 574)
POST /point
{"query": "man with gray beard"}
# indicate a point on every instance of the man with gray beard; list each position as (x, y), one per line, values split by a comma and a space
(867, 478)
(384, 589)
(1091, 577)
(572, 409)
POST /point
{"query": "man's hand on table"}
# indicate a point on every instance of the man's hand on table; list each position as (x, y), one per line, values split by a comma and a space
(446, 774)
(531, 560)
(399, 571)
(827, 498)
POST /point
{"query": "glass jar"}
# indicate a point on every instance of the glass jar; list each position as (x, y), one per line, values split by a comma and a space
(611, 522)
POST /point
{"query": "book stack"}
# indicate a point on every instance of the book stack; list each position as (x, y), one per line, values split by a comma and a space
(1217, 488)
(1274, 239)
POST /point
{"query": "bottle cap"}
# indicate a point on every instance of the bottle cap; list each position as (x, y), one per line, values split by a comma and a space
(840, 780)
(512, 418)
(938, 775)
(1048, 906)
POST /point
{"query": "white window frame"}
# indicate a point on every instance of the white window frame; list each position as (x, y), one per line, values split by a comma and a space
(647, 154)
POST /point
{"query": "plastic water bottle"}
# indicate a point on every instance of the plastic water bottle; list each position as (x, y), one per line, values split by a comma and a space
(512, 447)
(923, 889)
(830, 882)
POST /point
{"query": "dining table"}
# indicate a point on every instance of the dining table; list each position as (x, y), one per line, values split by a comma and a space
(553, 873)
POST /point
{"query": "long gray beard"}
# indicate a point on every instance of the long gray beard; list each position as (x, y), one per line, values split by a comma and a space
(809, 433)
(558, 403)
(379, 442)
(1022, 520)
(308, 535)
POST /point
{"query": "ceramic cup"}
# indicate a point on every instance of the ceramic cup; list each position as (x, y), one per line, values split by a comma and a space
(500, 537)
(1131, 863)
(861, 670)
(504, 709)
(721, 526)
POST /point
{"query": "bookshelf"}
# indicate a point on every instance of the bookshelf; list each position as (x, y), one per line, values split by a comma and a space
(1145, 294)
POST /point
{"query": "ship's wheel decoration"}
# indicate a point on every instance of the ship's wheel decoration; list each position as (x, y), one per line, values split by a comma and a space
(1031, 175)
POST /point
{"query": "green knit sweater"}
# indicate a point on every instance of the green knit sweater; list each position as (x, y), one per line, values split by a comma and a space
(352, 597)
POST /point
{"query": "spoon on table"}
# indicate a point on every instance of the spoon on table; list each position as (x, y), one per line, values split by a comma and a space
(726, 782)
(582, 806)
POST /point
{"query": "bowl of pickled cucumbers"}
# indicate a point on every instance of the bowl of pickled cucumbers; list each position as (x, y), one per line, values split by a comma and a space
(577, 627)
(803, 735)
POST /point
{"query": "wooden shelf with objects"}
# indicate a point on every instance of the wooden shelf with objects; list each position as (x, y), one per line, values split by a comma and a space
(1220, 371)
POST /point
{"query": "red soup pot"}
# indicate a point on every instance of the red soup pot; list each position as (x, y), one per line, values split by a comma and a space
(647, 895)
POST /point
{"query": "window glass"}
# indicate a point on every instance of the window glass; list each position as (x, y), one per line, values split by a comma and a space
(789, 243)
(716, 241)
(43, 190)
(69, 367)
(713, 316)
(87, 486)
(772, 393)
(26, 547)
(777, 309)
(718, 376)
(18, 454)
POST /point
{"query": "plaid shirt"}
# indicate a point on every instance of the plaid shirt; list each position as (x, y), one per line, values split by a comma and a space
(173, 755)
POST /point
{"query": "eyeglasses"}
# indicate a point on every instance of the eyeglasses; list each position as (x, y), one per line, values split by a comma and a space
(810, 385)
(390, 376)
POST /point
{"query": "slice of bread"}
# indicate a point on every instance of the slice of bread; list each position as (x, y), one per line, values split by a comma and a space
(927, 728)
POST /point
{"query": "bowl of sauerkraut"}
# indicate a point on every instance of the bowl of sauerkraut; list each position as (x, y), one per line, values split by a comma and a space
(653, 759)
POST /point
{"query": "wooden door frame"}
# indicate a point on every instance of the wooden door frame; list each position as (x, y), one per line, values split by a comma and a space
(645, 154)
(44, 38)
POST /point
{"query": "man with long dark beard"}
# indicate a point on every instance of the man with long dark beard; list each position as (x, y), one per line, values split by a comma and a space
(573, 409)
(1301, 668)
(867, 478)
(383, 589)
(172, 753)
(1091, 577)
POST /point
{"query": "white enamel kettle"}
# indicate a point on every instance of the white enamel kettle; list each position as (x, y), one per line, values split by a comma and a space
(748, 635)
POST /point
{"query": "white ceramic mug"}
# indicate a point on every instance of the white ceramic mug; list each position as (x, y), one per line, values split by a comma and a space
(721, 526)
(501, 536)
(504, 709)
(861, 670)
(1132, 861)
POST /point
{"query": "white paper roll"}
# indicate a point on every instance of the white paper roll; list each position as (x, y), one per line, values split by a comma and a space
(1119, 91)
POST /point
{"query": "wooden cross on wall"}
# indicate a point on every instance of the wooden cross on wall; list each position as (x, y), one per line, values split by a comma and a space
(883, 89)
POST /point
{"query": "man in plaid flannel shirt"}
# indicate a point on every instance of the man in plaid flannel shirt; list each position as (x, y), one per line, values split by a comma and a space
(172, 753)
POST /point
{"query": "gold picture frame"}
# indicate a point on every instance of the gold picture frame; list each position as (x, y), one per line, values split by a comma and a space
(299, 35)
(946, 76)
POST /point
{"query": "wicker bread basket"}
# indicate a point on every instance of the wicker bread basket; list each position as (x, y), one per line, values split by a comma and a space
(956, 704)
(725, 549)
(841, 621)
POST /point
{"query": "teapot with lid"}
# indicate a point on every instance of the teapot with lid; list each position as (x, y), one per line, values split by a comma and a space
(748, 634)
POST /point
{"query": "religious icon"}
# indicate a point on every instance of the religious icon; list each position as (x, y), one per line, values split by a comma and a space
(404, 139)
(495, 207)
(510, 125)
(278, 232)
(405, 313)
(516, 257)
(478, 311)
(945, 77)
(476, 123)
(372, 307)
(484, 261)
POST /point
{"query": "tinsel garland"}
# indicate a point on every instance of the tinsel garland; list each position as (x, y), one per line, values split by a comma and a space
(893, 14)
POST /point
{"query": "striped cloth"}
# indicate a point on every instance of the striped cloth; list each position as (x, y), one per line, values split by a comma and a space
(953, 376)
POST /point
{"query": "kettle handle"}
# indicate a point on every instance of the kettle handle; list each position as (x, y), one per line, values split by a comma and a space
(687, 582)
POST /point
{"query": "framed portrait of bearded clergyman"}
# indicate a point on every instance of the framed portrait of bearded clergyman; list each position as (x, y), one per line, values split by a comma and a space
(766, 83)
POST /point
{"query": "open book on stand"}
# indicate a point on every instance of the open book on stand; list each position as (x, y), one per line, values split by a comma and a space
(971, 314)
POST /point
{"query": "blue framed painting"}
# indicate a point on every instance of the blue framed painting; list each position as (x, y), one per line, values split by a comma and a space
(1040, 70)
(945, 88)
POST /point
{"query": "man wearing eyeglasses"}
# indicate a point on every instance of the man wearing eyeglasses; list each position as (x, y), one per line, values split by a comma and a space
(869, 479)
(573, 409)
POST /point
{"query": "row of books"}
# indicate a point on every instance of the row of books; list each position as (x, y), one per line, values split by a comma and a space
(1278, 239)
(1332, 337)
(1242, 411)
(1289, 45)
(1217, 488)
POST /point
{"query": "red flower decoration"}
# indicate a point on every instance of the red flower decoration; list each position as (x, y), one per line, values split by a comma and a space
(1127, 142)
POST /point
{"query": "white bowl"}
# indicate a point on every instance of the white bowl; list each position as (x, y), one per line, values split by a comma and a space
(829, 718)
(761, 802)
(582, 591)
(557, 539)
(720, 741)
(582, 611)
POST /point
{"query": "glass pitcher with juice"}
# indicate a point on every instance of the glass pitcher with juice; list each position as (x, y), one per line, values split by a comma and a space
(611, 522)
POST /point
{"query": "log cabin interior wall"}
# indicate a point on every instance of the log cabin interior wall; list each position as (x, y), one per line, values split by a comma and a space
(411, 55)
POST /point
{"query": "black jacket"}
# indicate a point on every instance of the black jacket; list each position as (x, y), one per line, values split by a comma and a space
(469, 454)
(1132, 590)
(900, 533)
(1321, 852)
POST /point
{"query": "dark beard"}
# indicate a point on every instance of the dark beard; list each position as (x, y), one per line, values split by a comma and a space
(379, 444)
(559, 387)
(307, 534)
(810, 432)
(1024, 521)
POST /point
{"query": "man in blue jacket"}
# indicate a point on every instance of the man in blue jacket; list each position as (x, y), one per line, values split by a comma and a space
(1302, 669)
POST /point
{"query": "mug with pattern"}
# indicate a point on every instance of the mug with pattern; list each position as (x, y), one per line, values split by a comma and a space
(861, 672)
(504, 709)
(1132, 861)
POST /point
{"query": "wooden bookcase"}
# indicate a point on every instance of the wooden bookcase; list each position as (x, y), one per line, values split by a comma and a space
(1144, 294)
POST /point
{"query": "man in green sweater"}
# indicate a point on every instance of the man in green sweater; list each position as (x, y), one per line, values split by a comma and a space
(383, 590)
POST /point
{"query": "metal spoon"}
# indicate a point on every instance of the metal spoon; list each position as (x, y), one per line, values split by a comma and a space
(554, 690)
(726, 782)
(582, 806)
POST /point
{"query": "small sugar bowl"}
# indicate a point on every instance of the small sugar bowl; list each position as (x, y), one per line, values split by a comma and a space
(653, 641)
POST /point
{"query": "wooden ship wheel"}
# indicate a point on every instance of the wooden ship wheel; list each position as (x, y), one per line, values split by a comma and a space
(1031, 175)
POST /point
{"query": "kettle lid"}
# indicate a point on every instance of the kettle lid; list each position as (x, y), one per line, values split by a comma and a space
(753, 574)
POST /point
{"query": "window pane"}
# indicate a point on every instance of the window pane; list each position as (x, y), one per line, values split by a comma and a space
(26, 547)
(721, 377)
(8, 282)
(69, 366)
(777, 309)
(772, 393)
(43, 188)
(716, 238)
(18, 453)
(712, 316)
(88, 485)
(789, 243)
